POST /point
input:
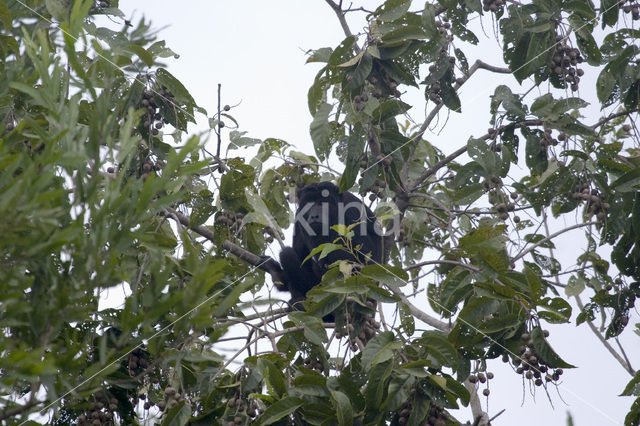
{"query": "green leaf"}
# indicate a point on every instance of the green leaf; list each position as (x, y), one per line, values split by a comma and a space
(518, 58)
(314, 331)
(633, 386)
(353, 61)
(311, 383)
(178, 415)
(453, 290)
(450, 98)
(142, 53)
(609, 10)
(438, 346)
(273, 376)
(628, 182)
(380, 349)
(545, 352)
(393, 276)
(399, 390)
(279, 410)
(543, 105)
(5, 15)
(534, 282)
(555, 310)
(403, 34)
(575, 286)
(584, 8)
(389, 109)
(320, 131)
(535, 157)
(324, 250)
(355, 149)
(320, 55)
(343, 409)
(174, 85)
(567, 104)
(510, 102)
(358, 76)
(392, 10)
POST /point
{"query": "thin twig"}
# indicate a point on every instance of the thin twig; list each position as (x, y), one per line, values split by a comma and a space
(549, 238)
(606, 344)
(219, 137)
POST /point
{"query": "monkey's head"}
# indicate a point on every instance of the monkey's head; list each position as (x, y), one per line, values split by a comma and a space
(317, 203)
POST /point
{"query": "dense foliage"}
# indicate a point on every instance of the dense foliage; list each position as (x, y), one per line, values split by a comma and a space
(103, 193)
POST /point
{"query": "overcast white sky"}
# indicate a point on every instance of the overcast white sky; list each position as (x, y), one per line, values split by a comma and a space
(255, 49)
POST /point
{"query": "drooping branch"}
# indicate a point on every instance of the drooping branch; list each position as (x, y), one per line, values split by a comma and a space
(626, 365)
(265, 263)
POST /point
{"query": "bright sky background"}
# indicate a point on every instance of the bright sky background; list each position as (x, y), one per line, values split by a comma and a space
(256, 50)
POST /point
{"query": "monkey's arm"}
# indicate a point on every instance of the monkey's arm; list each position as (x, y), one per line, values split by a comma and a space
(265, 263)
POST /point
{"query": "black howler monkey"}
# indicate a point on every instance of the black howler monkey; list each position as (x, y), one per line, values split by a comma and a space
(320, 206)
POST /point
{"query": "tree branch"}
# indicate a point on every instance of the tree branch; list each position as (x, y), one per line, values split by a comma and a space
(594, 329)
(550, 237)
(433, 322)
(478, 64)
(441, 261)
(609, 118)
(14, 411)
(479, 416)
(265, 263)
(337, 9)
(449, 158)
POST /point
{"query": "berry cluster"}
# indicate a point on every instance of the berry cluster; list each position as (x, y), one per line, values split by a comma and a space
(381, 84)
(531, 366)
(237, 414)
(436, 415)
(171, 398)
(360, 101)
(564, 63)
(632, 7)
(379, 184)
(434, 90)
(443, 27)
(404, 413)
(492, 5)
(153, 120)
(232, 221)
(138, 361)
(482, 378)
(548, 140)
(498, 199)
(359, 327)
(101, 412)
(503, 208)
(595, 205)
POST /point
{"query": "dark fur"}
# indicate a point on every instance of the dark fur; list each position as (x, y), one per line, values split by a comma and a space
(300, 277)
